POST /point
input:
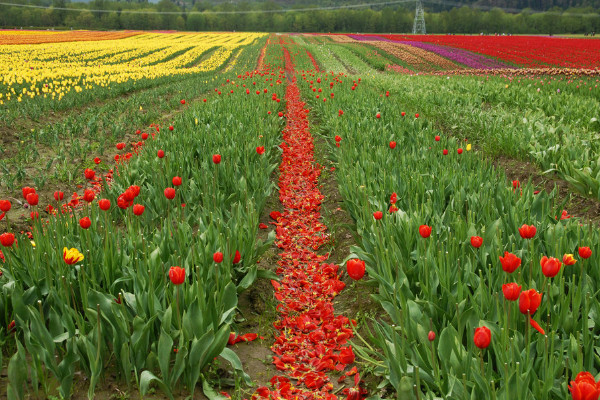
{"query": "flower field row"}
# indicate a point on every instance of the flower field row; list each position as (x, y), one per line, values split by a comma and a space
(54, 70)
(144, 268)
(37, 37)
(451, 246)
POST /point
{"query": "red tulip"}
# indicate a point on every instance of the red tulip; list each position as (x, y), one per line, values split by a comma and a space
(585, 252)
(550, 266)
(216, 158)
(568, 259)
(445, 152)
(177, 275)
(424, 231)
(33, 199)
(59, 195)
(527, 231)
(171, 127)
(338, 138)
(104, 204)
(476, 241)
(260, 149)
(34, 215)
(340, 113)
(516, 183)
(5, 205)
(182, 101)
(393, 198)
(170, 193)
(459, 151)
(85, 222)
(509, 262)
(89, 195)
(437, 138)
(120, 146)
(417, 115)
(403, 113)
(584, 387)
(529, 301)
(7, 239)
(27, 190)
(280, 114)
(177, 181)
(378, 115)
(218, 257)
(392, 145)
(89, 174)
(97, 160)
(431, 336)
(355, 268)
(377, 215)
(482, 337)
(511, 291)
(138, 209)
(145, 136)
(237, 258)
(160, 154)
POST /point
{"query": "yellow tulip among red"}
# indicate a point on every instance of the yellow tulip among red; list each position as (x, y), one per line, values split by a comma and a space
(72, 256)
(568, 259)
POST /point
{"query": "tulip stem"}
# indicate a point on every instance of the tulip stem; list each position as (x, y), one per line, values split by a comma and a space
(528, 334)
(481, 362)
(178, 313)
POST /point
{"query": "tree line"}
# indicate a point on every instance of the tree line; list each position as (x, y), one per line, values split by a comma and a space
(201, 16)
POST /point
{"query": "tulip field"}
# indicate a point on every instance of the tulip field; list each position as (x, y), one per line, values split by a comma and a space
(153, 181)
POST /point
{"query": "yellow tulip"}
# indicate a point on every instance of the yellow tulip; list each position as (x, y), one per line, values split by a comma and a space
(72, 256)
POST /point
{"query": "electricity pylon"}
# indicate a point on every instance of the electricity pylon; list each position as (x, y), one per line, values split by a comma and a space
(419, 23)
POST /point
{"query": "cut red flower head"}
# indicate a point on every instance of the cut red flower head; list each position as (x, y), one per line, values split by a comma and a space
(177, 275)
(218, 257)
(527, 231)
(550, 266)
(510, 262)
(425, 231)
(584, 387)
(216, 158)
(482, 337)
(476, 241)
(529, 301)
(585, 252)
(511, 291)
(355, 268)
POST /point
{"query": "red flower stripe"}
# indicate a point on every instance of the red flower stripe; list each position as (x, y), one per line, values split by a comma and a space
(312, 340)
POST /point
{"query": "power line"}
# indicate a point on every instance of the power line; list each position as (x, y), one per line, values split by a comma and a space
(327, 8)
(362, 5)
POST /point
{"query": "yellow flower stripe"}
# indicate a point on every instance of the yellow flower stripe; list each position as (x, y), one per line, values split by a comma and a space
(55, 69)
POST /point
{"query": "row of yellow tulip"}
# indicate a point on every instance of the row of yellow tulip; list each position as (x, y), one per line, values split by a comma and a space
(53, 70)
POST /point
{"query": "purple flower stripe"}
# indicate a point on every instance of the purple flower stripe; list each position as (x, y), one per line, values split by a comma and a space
(470, 59)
